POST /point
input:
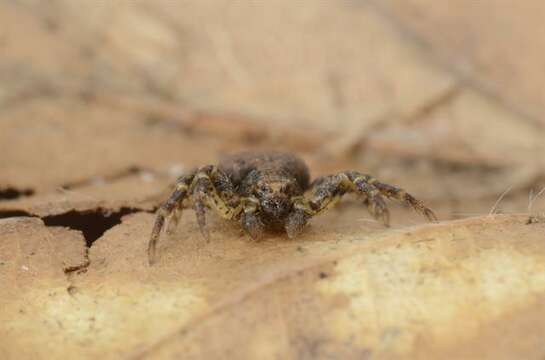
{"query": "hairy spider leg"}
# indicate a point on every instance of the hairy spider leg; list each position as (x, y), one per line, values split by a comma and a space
(208, 188)
(173, 202)
(249, 220)
(207, 196)
(326, 192)
(396, 193)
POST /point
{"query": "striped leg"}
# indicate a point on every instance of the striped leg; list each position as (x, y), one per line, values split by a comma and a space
(211, 189)
(328, 190)
(208, 188)
(394, 192)
(168, 209)
(249, 220)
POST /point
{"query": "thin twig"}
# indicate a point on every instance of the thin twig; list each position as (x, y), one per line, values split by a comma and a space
(495, 207)
(532, 199)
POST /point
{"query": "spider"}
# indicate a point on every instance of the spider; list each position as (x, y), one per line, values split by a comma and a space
(270, 191)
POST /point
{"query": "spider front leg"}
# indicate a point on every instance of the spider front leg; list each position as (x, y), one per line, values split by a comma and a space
(208, 188)
(298, 217)
(249, 220)
(327, 191)
(213, 190)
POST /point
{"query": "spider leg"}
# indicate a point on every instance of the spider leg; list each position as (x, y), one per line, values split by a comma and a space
(166, 211)
(208, 188)
(325, 192)
(211, 189)
(220, 193)
(363, 185)
(394, 192)
(328, 190)
(200, 213)
(249, 220)
(298, 217)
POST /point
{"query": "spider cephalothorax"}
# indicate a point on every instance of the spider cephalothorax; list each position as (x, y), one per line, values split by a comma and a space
(271, 190)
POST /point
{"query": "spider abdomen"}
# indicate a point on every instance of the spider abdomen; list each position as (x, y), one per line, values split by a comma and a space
(247, 169)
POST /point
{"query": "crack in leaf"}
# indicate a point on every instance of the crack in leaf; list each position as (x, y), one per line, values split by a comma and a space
(91, 223)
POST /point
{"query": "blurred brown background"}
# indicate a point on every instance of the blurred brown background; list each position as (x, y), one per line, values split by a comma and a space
(448, 94)
(103, 104)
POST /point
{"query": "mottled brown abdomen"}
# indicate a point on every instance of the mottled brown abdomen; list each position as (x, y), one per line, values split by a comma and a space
(271, 164)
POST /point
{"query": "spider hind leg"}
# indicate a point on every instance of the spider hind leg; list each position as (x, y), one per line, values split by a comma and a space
(168, 211)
